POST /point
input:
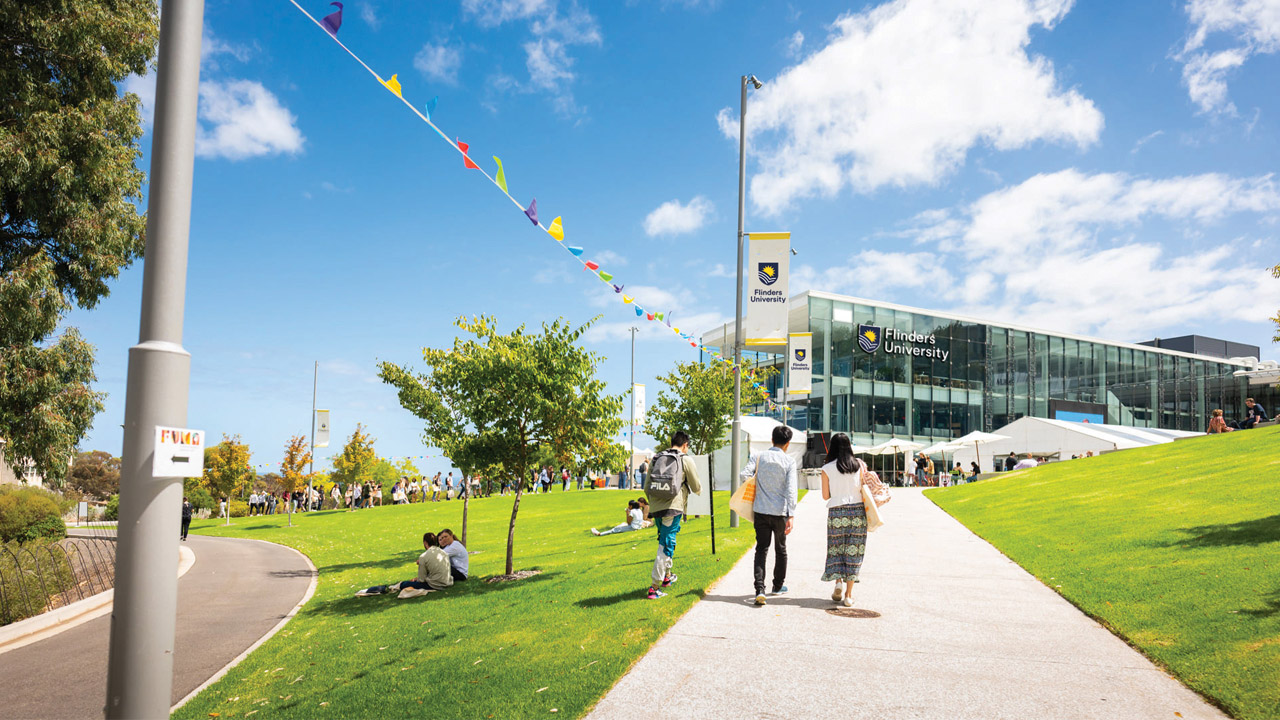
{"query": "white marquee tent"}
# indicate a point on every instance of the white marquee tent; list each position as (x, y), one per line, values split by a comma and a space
(758, 432)
(1042, 436)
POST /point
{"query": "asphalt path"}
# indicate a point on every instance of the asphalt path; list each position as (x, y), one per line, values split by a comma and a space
(236, 592)
(945, 627)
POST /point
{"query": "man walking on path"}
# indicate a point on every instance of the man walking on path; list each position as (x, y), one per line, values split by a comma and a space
(775, 504)
(672, 475)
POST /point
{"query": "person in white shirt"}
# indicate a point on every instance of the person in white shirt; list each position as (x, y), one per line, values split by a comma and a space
(635, 520)
(459, 561)
(909, 472)
(1026, 462)
(842, 479)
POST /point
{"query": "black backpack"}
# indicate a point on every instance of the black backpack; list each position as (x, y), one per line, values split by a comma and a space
(666, 475)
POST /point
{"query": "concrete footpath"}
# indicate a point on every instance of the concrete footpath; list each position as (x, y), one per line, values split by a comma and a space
(236, 592)
(946, 627)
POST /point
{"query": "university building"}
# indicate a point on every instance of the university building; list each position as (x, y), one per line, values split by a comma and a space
(882, 370)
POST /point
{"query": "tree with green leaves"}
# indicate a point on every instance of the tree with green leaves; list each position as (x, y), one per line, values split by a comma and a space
(226, 469)
(69, 220)
(494, 403)
(699, 401)
(356, 462)
(293, 476)
(96, 474)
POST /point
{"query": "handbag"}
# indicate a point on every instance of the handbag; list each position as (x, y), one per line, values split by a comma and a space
(874, 521)
(744, 500)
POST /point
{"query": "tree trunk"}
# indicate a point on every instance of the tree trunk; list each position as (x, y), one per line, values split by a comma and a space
(466, 502)
(511, 529)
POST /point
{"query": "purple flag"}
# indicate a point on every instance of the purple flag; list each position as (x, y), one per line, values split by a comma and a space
(532, 212)
(333, 21)
(618, 288)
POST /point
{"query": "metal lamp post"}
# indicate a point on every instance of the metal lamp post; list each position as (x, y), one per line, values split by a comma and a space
(144, 616)
(735, 462)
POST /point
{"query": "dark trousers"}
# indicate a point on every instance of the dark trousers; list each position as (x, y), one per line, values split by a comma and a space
(771, 527)
(457, 576)
(186, 525)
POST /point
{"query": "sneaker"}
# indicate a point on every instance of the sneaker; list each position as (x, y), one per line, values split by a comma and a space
(412, 593)
(760, 599)
(780, 591)
(595, 531)
(669, 580)
(370, 592)
(847, 602)
(655, 593)
(837, 593)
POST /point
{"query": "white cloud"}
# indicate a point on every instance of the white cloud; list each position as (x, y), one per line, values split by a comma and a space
(369, 14)
(673, 218)
(439, 62)
(795, 44)
(1253, 27)
(901, 92)
(720, 270)
(1144, 140)
(870, 272)
(1057, 251)
(610, 258)
(144, 86)
(241, 119)
(211, 47)
(547, 51)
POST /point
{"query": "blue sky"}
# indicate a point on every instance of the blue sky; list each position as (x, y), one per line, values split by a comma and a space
(1103, 169)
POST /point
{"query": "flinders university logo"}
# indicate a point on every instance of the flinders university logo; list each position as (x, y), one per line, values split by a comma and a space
(801, 355)
(869, 338)
(768, 273)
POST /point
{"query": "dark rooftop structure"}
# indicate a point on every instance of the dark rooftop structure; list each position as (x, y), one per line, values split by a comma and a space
(1201, 345)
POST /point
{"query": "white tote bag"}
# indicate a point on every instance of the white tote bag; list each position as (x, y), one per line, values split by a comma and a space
(873, 512)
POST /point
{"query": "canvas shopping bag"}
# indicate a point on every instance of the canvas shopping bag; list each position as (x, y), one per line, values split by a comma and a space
(873, 513)
(744, 500)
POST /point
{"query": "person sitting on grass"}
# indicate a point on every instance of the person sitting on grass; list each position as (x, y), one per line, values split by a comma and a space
(459, 559)
(644, 507)
(1218, 424)
(635, 521)
(433, 573)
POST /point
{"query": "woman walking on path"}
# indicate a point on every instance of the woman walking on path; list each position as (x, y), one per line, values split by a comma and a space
(842, 479)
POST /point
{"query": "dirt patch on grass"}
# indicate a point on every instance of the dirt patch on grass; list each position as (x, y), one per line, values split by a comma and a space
(518, 575)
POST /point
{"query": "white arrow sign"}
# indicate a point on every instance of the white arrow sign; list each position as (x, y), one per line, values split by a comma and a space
(179, 452)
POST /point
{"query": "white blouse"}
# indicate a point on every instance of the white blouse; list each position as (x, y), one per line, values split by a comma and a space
(846, 489)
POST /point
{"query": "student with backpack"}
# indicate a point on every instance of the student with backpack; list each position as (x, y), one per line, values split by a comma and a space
(671, 476)
(775, 504)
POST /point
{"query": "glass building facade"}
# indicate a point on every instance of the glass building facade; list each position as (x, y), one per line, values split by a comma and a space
(883, 371)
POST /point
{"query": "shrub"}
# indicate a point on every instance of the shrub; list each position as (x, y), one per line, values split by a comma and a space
(28, 514)
(31, 576)
(112, 511)
(200, 499)
(239, 508)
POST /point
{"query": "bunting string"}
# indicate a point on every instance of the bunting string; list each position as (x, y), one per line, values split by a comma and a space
(331, 24)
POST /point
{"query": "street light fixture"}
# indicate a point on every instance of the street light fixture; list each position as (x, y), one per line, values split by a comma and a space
(735, 461)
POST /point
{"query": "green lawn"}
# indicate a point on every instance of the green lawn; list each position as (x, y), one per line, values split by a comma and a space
(1176, 548)
(554, 642)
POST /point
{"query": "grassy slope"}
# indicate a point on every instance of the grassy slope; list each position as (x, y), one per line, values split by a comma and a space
(1173, 547)
(476, 650)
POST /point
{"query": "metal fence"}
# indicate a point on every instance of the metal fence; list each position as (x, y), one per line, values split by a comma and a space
(42, 576)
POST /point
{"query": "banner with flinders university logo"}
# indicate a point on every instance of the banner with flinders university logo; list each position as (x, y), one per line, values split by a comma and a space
(800, 364)
(768, 265)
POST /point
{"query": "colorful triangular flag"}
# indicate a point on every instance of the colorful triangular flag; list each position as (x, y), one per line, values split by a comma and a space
(532, 211)
(639, 311)
(658, 315)
(431, 106)
(333, 20)
(501, 177)
(577, 251)
(556, 230)
(626, 299)
(588, 265)
(618, 288)
(393, 85)
(466, 159)
(648, 316)
(606, 276)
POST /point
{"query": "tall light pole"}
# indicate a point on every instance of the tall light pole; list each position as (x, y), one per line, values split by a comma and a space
(735, 462)
(144, 615)
(631, 460)
(311, 462)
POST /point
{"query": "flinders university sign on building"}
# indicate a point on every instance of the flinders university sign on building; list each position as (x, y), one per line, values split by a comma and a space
(898, 342)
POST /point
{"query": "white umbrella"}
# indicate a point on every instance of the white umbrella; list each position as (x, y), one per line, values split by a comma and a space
(893, 447)
(976, 438)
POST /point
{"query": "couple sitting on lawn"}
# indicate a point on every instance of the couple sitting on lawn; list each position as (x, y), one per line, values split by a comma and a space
(443, 562)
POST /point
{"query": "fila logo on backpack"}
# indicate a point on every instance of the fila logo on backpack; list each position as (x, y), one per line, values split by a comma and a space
(666, 474)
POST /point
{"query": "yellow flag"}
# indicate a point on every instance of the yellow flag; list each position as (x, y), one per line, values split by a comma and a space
(502, 176)
(627, 299)
(393, 85)
(556, 230)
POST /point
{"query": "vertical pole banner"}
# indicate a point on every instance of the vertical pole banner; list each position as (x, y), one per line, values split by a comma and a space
(637, 392)
(768, 266)
(800, 364)
(322, 428)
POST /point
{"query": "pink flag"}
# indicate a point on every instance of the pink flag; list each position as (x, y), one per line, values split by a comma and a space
(588, 265)
(466, 159)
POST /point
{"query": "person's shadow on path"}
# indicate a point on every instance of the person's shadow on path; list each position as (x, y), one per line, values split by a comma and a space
(775, 600)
